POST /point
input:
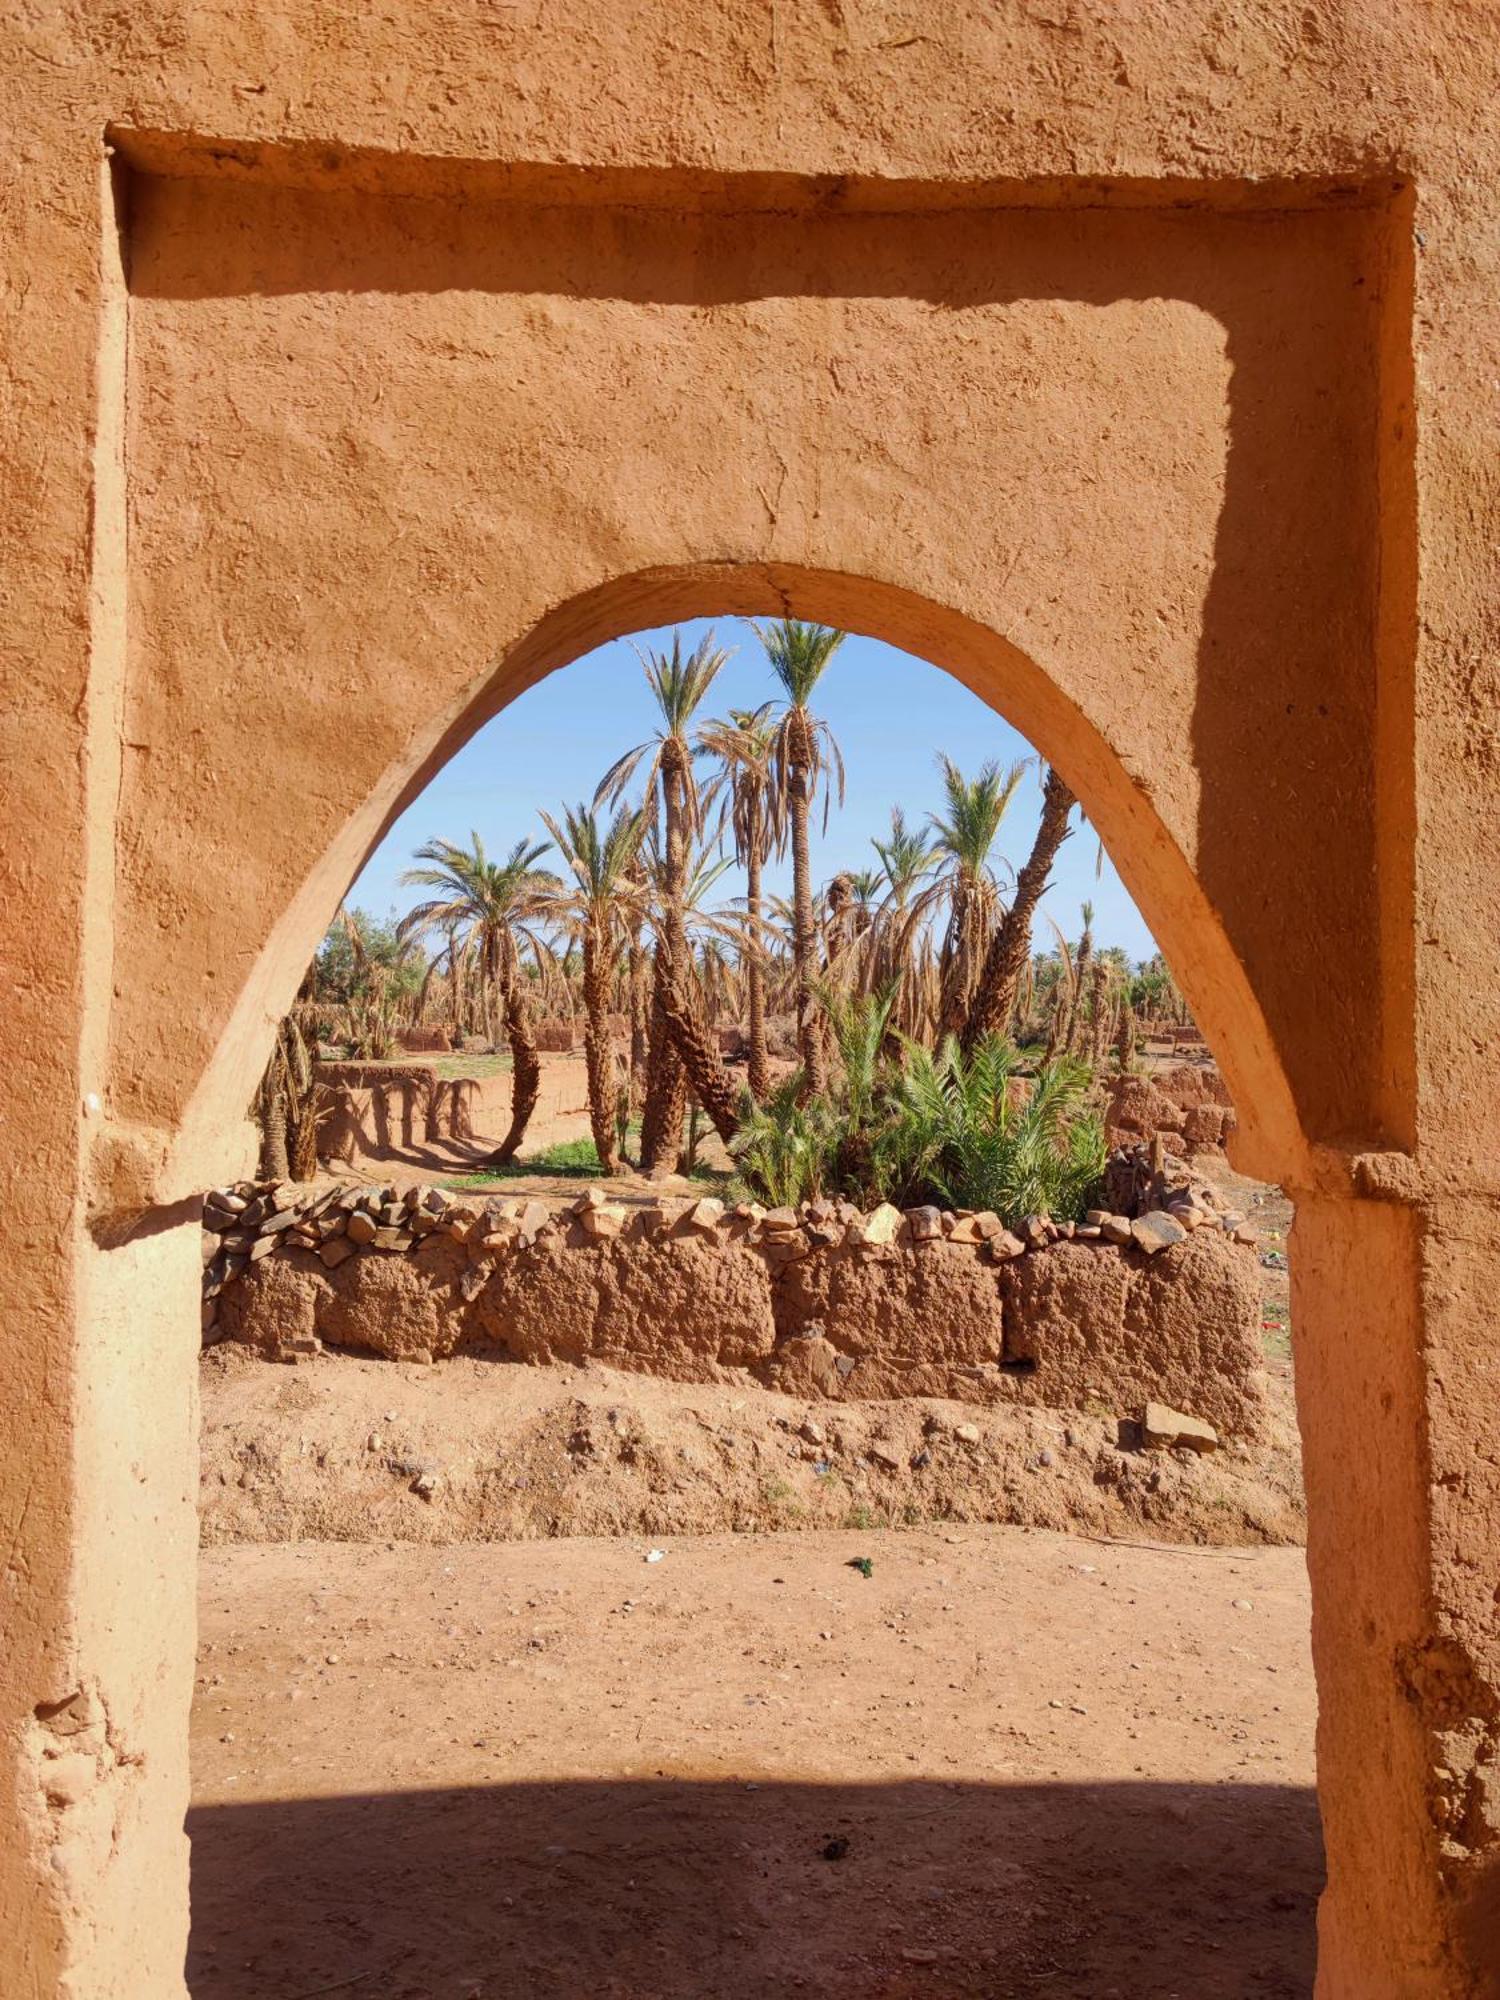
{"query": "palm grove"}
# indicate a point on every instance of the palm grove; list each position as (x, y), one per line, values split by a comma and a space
(890, 1035)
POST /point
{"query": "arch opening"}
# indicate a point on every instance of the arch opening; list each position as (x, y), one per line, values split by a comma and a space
(614, 1804)
(1154, 867)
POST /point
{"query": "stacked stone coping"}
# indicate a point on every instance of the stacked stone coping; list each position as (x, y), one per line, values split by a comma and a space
(248, 1220)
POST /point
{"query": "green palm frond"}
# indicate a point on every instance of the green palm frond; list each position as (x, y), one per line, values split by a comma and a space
(798, 654)
(975, 808)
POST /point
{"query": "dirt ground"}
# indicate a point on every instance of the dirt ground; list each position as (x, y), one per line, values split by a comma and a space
(349, 1448)
(1006, 1763)
(456, 1738)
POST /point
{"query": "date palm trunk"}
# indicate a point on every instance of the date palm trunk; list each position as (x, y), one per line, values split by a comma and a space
(598, 1050)
(759, 1064)
(697, 1047)
(525, 1063)
(638, 981)
(666, 1083)
(804, 935)
(1074, 1034)
(1010, 947)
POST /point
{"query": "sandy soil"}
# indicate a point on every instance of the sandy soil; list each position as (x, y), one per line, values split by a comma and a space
(1007, 1763)
(348, 1448)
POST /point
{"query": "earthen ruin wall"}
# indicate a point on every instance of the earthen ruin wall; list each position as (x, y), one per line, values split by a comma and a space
(824, 1301)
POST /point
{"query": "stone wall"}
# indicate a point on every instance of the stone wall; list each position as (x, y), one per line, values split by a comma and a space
(1189, 1106)
(824, 1301)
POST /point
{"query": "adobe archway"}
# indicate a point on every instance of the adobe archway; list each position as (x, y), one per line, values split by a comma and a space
(346, 414)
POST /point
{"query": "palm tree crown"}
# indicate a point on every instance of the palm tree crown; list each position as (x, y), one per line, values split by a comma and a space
(678, 685)
(601, 860)
(976, 807)
(484, 897)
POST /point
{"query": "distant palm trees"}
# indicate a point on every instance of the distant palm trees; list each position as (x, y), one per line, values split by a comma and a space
(495, 905)
(1009, 948)
(922, 947)
(598, 909)
(678, 686)
(744, 745)
(806, 760)
(963, 837)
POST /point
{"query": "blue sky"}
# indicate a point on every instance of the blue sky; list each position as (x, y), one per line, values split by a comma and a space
(890, 712)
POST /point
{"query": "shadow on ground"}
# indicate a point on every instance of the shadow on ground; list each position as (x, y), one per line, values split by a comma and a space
(680, 1890)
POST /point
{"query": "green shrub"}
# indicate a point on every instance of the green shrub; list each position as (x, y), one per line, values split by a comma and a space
(913, 1125)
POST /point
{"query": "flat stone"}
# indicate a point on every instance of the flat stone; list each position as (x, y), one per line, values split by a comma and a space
(335, 1250)
(966, 1433)
(282, 1219)
(393, 1239)
(228, 1200)
(1116, 1229)
(780, 1221)
(607, 1220)
(882, 1225)
(1156, 1231)
(362, 1227)
(262, 1247)
(887, 1455)
(1169, 1429)
(966, 1230)
(926, 1223)
(533, 1217)
(706, 1214)
(1006, 1245)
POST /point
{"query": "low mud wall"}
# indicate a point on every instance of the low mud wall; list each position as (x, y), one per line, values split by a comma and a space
(393, 1111)
(822, 1302)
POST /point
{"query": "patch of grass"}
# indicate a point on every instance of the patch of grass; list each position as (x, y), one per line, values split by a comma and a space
(1276, 1330)
(457, 1066)
(860, 1516)
(569, 1159)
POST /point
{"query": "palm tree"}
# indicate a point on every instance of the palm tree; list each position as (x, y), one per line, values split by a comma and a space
(598, 909)
(679, 991)
(1010, 947)
(1080, 973)
(963, 839)
(900, 939)
(678, 686)
(805, 756)
(496, 903)
(743, 745)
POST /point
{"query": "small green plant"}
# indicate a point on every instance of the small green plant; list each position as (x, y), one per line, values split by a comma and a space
(919, 1125)
(861, 1516)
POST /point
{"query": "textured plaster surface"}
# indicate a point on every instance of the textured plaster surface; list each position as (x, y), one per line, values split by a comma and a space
(1137, 364)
